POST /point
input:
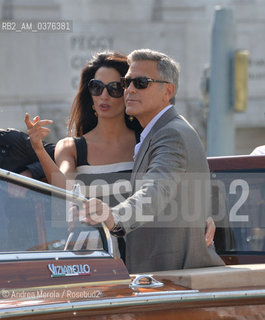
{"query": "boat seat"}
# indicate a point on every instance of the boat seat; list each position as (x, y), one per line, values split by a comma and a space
(217, 277)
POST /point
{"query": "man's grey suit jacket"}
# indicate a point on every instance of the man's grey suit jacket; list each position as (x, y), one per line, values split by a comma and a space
(158, 235)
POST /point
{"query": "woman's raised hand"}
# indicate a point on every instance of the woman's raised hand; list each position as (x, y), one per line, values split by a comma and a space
(37, 130)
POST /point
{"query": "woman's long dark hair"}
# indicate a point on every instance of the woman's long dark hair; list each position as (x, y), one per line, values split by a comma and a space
(82, 117)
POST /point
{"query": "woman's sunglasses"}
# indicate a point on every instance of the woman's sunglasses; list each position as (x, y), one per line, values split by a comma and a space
(114, 88)
(139, 83)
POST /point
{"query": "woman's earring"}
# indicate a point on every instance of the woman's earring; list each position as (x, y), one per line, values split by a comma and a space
(131, 118)
(95, 112)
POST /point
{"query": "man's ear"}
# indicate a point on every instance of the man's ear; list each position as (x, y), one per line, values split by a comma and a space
(169, 91)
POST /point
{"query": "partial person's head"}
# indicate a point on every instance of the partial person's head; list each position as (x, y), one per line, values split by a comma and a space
(99, 88)
(15, 150)
(144, 97)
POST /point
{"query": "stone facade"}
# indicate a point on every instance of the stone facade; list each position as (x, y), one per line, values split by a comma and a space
(40, 71)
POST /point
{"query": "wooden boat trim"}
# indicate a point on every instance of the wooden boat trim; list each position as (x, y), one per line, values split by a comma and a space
(37, 273)
(206, 297)
(228, 163)
(75, 285)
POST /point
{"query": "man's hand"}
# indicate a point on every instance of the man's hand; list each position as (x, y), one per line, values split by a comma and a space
(96, 211)
(210, 231)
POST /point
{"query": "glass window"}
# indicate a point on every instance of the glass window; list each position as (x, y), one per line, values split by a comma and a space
(34, 220)
(239, 211)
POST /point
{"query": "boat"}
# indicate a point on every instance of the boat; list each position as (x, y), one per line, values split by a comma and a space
(54, 267)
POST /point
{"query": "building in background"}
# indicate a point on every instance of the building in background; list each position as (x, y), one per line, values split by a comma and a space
(40, 70)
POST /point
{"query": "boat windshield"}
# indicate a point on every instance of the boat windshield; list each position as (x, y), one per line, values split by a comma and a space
(38, 217)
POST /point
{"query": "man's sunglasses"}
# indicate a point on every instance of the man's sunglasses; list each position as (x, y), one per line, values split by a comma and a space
(114, 88)
(139, 83)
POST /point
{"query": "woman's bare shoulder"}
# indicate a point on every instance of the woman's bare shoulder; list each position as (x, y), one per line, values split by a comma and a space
(65, 143)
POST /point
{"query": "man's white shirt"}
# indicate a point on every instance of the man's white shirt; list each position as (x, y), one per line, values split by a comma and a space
(148, 128)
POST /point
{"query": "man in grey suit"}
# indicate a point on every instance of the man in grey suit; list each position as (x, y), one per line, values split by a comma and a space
(159, 234)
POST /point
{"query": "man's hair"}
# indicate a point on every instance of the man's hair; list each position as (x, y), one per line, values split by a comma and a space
(166, 66)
